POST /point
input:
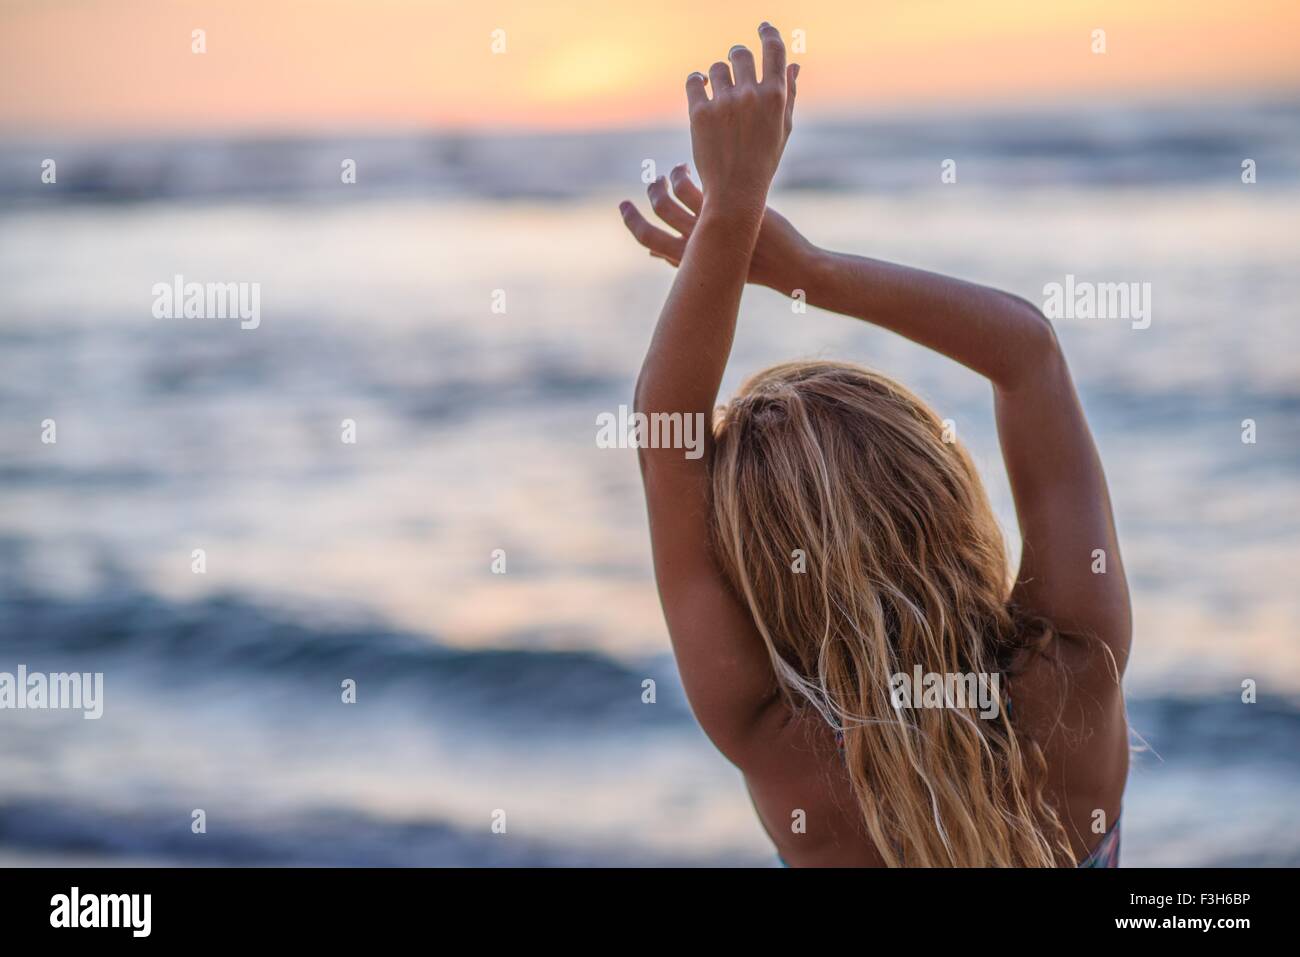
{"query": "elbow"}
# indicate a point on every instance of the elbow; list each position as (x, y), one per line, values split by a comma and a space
(1040, 334)
(639, 393)
(1044, 347)
(642, 402)
(652, 394)
(1037, 350)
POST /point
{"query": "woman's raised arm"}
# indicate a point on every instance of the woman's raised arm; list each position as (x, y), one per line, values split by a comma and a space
(1070, 570)
(737, 137)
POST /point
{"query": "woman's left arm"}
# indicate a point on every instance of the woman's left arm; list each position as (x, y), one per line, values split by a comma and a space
(737, 137)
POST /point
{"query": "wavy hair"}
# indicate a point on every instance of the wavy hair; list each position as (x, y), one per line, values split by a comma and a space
(903, 565)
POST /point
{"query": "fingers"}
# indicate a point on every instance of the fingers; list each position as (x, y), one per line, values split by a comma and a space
(773, 54)
(685, 189)
(742, 63)
(742, 70)
(720, 77)
(668, 210)
(659, 242)
(695, 93)
(791, 75)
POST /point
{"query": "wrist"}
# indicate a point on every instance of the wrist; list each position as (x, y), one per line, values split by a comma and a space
(801, 272)
(741, 208)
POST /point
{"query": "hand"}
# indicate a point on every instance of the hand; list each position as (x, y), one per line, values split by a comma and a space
(738, 135)
(781, 253)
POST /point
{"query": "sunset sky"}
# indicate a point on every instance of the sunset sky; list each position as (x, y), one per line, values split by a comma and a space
(127, 65)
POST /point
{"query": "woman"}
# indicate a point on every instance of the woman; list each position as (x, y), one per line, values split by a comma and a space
(833, 542)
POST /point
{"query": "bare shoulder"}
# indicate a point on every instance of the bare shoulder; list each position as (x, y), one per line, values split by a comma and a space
(1070, 702)
(1075, 679)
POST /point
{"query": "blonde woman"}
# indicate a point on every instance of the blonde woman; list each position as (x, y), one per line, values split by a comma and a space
(830, 548)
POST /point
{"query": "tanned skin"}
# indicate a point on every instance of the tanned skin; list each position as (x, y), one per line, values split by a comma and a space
(723, 235)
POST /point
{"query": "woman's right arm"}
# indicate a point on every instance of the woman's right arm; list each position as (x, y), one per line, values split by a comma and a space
(1071, 572)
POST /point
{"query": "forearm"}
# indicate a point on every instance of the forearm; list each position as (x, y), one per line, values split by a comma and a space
(994, 333)
(683, 367)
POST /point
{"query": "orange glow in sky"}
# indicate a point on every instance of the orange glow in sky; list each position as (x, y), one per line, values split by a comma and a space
(332, 64)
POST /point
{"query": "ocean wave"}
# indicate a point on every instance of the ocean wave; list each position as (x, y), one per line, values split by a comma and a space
(225, 638)
(1156, 145)
(307, 837)
(1218, 730)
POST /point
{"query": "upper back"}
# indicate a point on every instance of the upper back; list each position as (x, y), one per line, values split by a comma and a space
(1073, 709)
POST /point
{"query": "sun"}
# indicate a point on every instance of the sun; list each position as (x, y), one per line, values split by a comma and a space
(589, 70)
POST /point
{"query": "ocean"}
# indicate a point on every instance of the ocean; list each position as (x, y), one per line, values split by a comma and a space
(471, 305)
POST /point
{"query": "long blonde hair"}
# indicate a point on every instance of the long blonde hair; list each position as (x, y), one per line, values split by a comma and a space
(842, 471)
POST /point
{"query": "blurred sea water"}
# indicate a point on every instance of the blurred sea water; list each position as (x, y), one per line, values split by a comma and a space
(476, 431)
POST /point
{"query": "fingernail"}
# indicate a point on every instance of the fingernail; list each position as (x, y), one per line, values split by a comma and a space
(624, 206)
